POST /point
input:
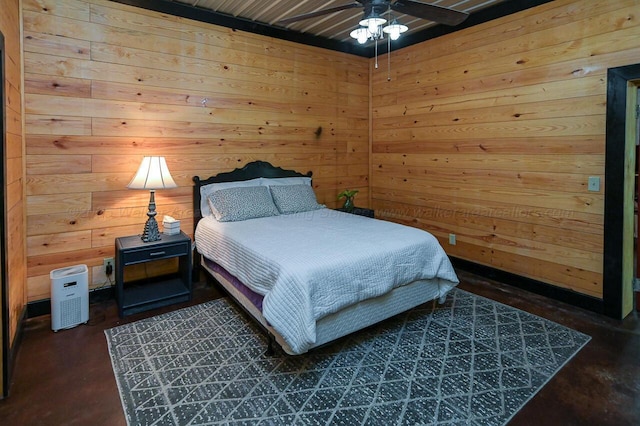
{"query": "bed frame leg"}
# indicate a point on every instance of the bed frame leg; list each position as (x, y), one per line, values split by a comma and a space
(195, 271)
(270, 351)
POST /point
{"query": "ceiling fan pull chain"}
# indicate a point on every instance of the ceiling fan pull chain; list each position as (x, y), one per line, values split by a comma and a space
(389, 46)
(376, 53)
(388, 58)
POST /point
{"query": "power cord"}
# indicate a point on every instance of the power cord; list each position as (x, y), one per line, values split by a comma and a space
(107, 283)
(99, 305)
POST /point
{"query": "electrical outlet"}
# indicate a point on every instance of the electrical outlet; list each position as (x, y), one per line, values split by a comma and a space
(452, 239)
(107, 265)
(593, 184)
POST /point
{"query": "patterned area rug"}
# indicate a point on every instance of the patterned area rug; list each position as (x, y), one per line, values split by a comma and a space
(472, 361)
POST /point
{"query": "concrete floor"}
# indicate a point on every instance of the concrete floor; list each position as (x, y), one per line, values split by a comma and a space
(65, 378)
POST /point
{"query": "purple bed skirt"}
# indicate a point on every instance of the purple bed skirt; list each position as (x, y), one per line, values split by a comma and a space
(252, 296)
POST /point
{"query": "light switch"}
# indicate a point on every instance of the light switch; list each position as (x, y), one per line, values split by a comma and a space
(594, 183)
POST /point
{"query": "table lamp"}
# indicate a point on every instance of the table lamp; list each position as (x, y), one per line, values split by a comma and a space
(152, 174)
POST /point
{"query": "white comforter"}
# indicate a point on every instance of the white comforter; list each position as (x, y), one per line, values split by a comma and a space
(308, 265)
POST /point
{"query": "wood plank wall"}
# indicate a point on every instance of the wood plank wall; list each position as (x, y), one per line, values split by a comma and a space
(13, 183)
(491, 133)
(106, 84)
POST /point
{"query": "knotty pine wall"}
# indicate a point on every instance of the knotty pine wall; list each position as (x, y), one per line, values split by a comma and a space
(13, 182)
(106, 84)
(491, 133)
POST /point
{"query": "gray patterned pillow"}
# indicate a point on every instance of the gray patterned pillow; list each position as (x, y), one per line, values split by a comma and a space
(207, 190)
(294, 198)
(242, 203)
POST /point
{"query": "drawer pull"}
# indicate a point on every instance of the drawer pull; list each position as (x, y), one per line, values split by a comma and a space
(158, 253)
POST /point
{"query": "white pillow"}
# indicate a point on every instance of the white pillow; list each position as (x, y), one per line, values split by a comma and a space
(242, 203)
(302, 180)
(207, 190)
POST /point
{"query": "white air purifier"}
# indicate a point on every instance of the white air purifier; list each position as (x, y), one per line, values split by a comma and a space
(69, 297)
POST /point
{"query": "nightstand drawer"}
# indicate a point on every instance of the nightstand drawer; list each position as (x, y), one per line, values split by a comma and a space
(153, 253)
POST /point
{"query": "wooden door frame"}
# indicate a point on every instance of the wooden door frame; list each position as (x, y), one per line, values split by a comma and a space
(619, 82)
(4, 283)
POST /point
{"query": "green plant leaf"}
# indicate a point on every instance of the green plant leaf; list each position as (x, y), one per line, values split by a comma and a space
(348, 193)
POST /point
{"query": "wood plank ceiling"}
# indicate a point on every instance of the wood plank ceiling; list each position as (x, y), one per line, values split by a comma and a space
(336, 26)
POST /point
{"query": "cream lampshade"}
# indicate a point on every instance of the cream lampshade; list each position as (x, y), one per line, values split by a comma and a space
(152, 174)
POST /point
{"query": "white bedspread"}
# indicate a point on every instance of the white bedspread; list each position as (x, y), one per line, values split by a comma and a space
(308, 265)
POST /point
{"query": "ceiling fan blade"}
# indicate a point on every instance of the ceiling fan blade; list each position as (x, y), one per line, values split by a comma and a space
(430, 12)
(318, 13)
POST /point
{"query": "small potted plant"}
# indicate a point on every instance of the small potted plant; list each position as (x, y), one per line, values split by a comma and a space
(348, 195)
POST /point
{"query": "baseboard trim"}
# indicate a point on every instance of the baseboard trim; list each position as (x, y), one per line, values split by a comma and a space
(43, 307)
(534, 286)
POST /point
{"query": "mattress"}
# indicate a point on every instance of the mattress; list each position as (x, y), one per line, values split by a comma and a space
(348, 320)
(310, 265)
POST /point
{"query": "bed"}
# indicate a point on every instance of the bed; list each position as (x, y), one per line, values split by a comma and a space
(309, 274)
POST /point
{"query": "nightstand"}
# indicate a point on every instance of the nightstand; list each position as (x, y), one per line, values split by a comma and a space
(138, 296)
(360, 211)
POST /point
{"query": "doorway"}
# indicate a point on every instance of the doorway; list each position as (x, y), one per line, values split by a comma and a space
(621, 136)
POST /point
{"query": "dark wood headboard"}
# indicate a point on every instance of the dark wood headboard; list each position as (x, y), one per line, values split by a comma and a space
(252, 170)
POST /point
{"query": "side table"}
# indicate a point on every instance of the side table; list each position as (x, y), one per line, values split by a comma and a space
(360, 211)
(138, 296)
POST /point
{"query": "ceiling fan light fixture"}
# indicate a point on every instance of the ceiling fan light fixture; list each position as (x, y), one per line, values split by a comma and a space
(371, 26)
(361, 34)
(394, 29)
(372, 22)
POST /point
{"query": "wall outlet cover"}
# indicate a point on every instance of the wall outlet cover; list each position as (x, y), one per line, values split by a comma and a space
(107, 261)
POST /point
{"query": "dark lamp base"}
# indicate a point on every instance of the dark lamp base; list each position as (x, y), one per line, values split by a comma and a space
(151, 232)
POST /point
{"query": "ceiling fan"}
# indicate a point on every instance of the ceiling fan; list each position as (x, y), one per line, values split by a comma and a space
(376, 8)
(371, 25)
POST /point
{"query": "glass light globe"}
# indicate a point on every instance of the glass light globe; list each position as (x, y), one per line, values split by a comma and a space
(372, 22)
(361, 34)
(395, 29)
